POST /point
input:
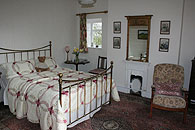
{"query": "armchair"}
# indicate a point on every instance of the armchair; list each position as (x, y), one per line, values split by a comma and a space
(167, 91)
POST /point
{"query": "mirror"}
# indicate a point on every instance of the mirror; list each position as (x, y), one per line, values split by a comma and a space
(138, 38)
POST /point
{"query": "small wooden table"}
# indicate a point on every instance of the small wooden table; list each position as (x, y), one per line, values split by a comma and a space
(81, 62)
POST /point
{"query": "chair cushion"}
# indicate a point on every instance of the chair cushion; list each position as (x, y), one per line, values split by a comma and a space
(169, 101)
(96, 71)
(168, 89)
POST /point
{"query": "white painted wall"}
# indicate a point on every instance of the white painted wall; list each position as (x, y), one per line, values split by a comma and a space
(187, 41)
(33, 23)
(161, 10)
(92, 55)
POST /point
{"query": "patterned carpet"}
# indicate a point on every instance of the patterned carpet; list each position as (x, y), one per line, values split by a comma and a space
(131, 113)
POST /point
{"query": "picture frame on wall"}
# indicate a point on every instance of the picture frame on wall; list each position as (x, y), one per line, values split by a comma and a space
(164, 44)
(165, 27)
(117, 27)
(116, 42)
(142, 34)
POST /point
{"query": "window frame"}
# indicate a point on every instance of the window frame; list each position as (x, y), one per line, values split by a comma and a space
(92, 21)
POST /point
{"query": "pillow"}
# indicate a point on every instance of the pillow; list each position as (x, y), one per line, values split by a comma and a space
(7, 67)
(18, 68)
(51, 63)
(32, 61)
(41, 65)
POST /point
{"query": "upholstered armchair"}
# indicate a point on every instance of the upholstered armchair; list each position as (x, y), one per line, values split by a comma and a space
(167, 91)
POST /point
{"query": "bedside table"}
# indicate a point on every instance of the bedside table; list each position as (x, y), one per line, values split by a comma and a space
(81, 62)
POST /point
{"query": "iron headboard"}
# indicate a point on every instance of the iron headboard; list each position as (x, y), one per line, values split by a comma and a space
(13, 52)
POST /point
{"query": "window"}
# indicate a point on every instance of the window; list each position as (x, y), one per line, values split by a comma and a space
(94, 33)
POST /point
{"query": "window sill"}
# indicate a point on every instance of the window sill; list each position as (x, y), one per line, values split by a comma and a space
(93, 48)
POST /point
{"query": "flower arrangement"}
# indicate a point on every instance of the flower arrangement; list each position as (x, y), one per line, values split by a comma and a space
(76, 51)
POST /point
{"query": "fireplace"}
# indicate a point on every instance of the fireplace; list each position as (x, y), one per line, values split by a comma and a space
(135, 84)
(137, 77)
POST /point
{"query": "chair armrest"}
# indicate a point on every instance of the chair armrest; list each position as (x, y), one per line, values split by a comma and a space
(184, 90)
(153, 88)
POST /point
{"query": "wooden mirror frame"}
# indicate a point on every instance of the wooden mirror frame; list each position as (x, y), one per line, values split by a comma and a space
(141, 20)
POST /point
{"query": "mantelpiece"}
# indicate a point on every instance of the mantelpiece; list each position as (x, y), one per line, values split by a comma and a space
(137, 69)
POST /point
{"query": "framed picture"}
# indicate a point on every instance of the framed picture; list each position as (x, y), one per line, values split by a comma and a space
(164, 44)
(116, 42)
(117, 27)
(143, 34)
(165, 27)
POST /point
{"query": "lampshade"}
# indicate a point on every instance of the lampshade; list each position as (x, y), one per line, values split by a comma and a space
(86, 3)
(67, 48)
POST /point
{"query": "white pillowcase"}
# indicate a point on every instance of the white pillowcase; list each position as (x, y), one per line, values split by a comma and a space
(18, 68)
(51, 63)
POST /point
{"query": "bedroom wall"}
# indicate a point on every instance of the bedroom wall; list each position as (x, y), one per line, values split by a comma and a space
(161, 10)
(92, 55)
(33, 23)
(187, 39)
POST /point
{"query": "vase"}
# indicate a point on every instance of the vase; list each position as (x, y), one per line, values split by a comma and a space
(77, 58)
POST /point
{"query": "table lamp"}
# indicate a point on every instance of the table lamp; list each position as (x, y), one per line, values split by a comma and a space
(67, 49)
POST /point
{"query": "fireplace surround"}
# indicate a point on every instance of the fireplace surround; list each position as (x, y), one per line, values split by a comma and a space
(137, 78)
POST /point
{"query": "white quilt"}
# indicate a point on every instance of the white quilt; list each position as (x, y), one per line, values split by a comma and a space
(35, 96)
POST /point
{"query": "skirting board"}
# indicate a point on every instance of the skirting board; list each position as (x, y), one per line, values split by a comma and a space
(127, 90)
(123, 89)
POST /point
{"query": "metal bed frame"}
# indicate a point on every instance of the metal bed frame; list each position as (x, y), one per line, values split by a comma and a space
(21, 52)
(102, 76)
